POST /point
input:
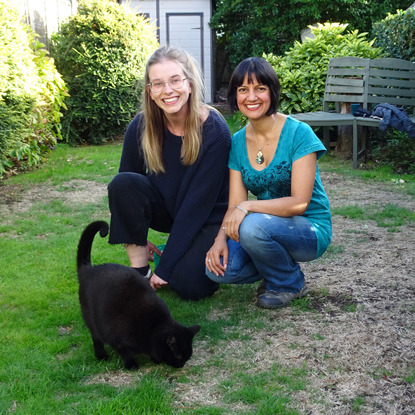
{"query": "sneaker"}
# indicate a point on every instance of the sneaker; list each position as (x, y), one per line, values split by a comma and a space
(149, 274)
(274, 299)
(262, 288)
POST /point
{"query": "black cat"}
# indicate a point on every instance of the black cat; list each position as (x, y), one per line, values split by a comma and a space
(121, 309)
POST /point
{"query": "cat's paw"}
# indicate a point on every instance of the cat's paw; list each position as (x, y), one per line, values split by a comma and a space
(101, 355)
(131, 364)
(99, 351)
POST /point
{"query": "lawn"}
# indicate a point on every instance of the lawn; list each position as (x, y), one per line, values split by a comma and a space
(246, 360)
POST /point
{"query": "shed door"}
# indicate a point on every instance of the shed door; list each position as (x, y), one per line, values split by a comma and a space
(185, 30)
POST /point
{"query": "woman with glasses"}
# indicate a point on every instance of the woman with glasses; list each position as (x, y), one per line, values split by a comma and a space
(275, 158)
(173, 177)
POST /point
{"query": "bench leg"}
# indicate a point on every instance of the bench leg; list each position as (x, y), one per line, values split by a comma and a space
(326, 137)
(355, 149)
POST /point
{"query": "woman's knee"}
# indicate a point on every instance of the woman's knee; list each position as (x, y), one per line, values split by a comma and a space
(123, 182)
(187, 290)
(251, 231)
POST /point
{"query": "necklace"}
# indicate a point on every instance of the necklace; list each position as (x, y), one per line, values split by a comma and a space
(259, 159)
(174, 131)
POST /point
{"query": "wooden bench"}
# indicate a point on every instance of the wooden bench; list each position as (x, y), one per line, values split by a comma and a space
(367, 82)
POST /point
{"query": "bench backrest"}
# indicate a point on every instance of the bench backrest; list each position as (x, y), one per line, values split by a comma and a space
(346, 81)
(391, 81)
(370, 82)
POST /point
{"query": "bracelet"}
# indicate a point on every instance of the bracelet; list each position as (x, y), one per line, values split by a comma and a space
(242, 209)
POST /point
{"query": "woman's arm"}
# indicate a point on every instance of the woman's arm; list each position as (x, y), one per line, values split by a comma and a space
(132, 159)
(237, 194)
(201, 187)
(302, 183)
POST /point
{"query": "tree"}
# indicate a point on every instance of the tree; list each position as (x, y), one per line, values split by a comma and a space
(396, 34)
(253, 27)
(101, 53)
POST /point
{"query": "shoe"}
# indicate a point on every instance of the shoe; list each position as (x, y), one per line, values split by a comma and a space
(274, 299)
(262, 288)
(149, 274)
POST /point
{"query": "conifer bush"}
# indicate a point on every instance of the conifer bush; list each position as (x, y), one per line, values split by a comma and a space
(396, 35)
(101, 53)
(32, 94)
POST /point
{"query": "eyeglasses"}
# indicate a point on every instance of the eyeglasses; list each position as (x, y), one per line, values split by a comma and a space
(175, 82)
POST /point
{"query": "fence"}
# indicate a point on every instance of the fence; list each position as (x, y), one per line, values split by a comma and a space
(45, 16)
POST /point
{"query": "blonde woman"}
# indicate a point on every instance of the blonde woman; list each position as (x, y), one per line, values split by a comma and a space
(173, 177)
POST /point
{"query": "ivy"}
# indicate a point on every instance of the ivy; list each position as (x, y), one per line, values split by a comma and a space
(396, 34)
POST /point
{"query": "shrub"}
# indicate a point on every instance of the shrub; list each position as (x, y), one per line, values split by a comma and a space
(396, 34)
(303, 69)
(31, 95)
(396, 150)
(101, 53)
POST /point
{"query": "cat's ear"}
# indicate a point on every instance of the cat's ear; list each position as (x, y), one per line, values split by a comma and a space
(194, 329)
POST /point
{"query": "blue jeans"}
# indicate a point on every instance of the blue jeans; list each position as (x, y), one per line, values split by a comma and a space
(270, 248)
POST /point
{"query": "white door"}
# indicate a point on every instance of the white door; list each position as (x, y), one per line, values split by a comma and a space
(185, 30)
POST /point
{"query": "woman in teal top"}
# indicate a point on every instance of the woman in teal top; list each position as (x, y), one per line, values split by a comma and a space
(275, 158)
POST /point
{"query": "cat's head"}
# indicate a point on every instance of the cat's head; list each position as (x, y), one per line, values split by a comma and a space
(175, 346)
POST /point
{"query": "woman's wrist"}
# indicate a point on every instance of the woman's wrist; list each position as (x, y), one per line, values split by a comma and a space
(221, 234)
(242, 209)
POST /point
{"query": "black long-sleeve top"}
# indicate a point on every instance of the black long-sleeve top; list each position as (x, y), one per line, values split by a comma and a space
(194, 195)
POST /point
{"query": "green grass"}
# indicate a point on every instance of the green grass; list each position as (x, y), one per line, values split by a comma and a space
(46, 357)
(404, 182)
(390, 216)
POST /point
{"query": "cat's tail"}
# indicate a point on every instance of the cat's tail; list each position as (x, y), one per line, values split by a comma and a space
(87, 237)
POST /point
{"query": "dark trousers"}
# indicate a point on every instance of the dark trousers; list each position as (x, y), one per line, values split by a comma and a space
(136, 206)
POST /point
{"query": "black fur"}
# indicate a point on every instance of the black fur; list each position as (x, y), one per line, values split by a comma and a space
(121, 309)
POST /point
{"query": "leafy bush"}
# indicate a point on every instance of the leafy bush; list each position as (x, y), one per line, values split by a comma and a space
(396, 34)
(396, 150)
(31, 95)
(252, 27)
(303, 69)
(101, 52)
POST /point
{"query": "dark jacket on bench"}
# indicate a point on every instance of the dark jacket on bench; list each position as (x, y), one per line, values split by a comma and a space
(395, 117)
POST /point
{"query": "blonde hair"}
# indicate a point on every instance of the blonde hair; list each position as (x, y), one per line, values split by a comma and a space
(152, 134)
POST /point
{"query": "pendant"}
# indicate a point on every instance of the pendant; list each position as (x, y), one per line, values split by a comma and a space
(259, 157)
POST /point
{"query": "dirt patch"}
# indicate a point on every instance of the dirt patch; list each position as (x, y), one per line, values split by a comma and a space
(113, 378)
(14, 199)
(357, 339)
(357, 335)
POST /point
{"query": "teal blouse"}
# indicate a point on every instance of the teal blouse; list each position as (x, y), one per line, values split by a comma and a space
(297, 139)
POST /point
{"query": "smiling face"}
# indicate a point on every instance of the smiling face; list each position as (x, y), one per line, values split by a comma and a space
(171, 101)
(253, 98)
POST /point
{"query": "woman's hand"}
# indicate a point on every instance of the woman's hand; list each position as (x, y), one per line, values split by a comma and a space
(156, 282)
(233, 222)
(219, 249)
(151, 248)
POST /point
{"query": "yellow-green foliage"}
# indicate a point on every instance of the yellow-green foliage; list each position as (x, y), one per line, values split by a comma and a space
(31, 95)
(303, 69)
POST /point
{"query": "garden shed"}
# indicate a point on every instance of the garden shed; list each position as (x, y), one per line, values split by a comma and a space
(183, 23)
